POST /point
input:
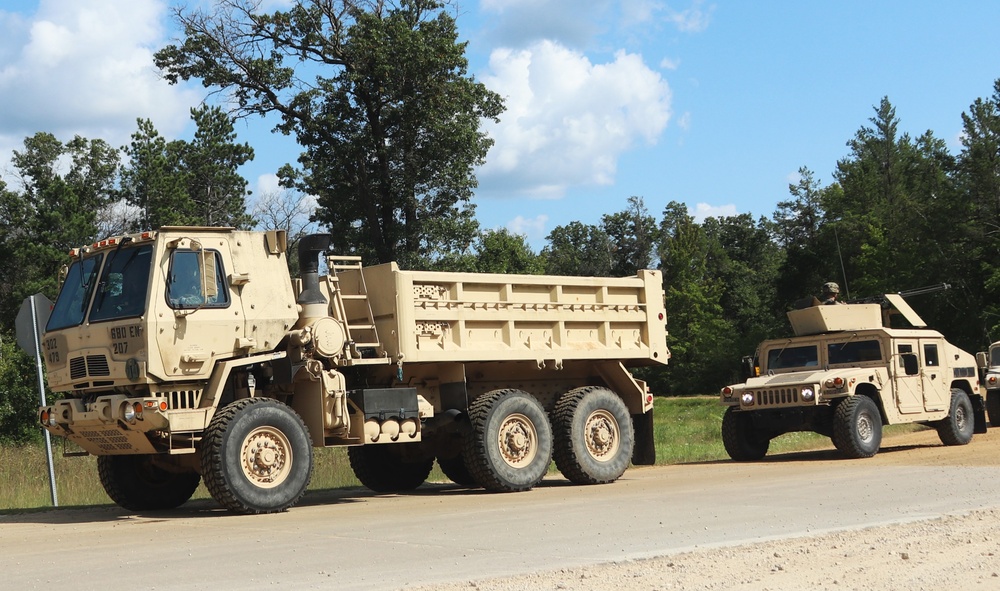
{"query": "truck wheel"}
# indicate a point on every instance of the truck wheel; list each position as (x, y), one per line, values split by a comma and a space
(857, 427)
(137, 484)
(383, 470)
(593, 435)
(456, 471)
(256, 456)
(742, 442)
(960, 423)
(993, 408)
(510, 447)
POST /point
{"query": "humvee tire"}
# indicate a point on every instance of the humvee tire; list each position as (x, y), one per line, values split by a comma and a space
(857, 427)
(456, 471)
(256, 456)
(137, 484)
(741, 441)
(958, 426)
(510, 447)
(593, 436)
(383, 470)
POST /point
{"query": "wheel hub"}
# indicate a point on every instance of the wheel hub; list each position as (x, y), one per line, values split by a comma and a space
(267, 457)
(602, 435)
(518, 440)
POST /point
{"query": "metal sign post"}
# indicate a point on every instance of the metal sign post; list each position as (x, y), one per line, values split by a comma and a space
(31, 319)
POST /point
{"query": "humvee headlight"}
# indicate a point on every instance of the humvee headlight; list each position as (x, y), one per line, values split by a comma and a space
(808, 394)
(129, 413)
(747, 399)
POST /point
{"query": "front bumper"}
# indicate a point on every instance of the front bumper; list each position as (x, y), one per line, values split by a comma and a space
(114, 424)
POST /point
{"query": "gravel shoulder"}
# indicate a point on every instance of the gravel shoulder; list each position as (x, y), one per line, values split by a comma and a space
(953, 551)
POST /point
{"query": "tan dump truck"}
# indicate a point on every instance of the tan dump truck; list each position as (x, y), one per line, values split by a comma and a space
(989, 366)
(189, 353)
(849, 370)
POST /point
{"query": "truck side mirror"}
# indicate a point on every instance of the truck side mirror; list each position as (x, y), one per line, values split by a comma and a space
(910, 364)
(981, 360)
(748, 369)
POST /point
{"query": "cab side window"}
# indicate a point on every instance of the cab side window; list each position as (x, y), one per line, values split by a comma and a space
(184, 288)
(931, 355)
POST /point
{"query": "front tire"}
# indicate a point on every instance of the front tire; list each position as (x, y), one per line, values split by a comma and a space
(383, 469)
(257, 456)
(510, 447)
(857, 427)
(958, 427)
(135, 483)
(743, 443)
(593, 435)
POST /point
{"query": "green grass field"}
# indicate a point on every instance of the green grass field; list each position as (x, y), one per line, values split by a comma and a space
(686, 430)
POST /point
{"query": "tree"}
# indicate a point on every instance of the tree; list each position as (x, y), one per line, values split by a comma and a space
(63, 187)
(389, 123)
(18, 394)
(188, 183)
(633, 234)
(501, 251)
(578, 249)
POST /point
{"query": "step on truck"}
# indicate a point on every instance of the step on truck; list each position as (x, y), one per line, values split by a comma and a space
(188, 354)
(848, 371)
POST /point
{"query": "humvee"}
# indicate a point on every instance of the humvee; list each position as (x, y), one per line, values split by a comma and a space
(849, 370)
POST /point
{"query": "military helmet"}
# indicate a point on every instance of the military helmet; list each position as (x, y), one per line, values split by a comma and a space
(831, 287)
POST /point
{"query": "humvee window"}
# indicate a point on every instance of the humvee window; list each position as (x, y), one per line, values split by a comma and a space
(853, 352)
(789, 357)
(904, 350)
(931, 355)
(71, 307)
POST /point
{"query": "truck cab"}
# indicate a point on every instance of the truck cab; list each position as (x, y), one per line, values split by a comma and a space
(847, 371)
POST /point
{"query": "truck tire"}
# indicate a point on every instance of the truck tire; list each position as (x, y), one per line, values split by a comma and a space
(958, 426)
(456, 471)
(993, 407)
(510, 447)
(742, 442)
(593, 437)
(857, 427)
(256, 456)
(135, 483)
(383, 470)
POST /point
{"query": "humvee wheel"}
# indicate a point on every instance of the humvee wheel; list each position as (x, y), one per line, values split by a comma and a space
(960, 423)
(857, 427)
(510, 446)
(456, 471)
(137, 484)
(742, 442)
(593, 435)
(383, 470)
(256, 456)
(993, 408)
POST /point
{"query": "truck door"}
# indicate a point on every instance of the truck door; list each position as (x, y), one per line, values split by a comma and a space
(936, 387)
(909, 398)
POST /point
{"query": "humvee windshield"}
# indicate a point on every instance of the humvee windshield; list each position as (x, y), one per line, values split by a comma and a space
(119, 293)
(793, 357)
(853, 352)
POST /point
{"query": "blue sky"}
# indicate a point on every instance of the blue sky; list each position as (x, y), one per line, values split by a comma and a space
(713, 104)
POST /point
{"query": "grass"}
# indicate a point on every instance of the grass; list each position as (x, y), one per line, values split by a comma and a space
(686, 430)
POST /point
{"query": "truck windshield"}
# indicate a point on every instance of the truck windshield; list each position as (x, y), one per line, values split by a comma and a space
(793, 357)
(71, 305)
(853, 352)
(994, 356)
(121, 292)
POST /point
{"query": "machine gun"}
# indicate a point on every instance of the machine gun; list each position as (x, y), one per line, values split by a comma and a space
(880, 299)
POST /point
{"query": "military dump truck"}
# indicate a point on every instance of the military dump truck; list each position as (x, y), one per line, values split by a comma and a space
(849, 370)
(189, 354)
(989, 365)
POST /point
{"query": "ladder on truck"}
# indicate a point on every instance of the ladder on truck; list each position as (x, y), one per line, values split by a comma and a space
(355, 311)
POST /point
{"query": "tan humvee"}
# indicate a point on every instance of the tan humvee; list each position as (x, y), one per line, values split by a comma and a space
(189, 353)
(849, 370)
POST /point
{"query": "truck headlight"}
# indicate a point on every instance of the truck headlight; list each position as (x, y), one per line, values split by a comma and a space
(129, 413)
(808, 394)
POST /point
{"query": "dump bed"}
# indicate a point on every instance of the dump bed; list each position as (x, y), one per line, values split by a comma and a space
(424, 316)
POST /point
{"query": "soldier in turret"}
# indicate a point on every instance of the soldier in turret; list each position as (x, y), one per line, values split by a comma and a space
(830, 292)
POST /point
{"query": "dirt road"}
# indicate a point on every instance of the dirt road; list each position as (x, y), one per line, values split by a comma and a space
(798, 521)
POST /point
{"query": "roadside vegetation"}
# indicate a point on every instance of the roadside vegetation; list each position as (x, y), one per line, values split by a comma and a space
(687, 430)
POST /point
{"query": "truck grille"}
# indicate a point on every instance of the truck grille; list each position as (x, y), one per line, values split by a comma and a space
(776, 397)
(93, 365)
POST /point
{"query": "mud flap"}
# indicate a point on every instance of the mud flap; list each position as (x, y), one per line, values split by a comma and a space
(644, 452)
(979, 412)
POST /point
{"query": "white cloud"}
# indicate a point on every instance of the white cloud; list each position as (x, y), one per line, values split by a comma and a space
(568, 120)
(86, 67)
(704, 210)
(532, 228)
(692, 20)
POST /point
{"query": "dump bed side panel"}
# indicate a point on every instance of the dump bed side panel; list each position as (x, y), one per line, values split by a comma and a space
(433, 316)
